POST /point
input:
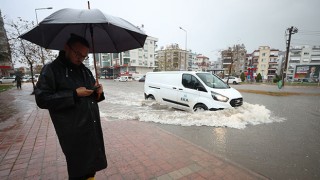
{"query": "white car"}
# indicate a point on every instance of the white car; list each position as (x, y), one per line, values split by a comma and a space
(232, 80)
(7, 80)
(117, 79)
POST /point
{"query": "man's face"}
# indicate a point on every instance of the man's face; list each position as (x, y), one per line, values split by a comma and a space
(77, 53)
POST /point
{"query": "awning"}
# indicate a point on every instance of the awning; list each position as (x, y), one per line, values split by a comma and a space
(5, 67)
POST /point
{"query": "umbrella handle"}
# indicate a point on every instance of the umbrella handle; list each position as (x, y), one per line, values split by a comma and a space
(93, 52)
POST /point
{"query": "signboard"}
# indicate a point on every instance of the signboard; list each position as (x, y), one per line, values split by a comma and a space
(309, 72)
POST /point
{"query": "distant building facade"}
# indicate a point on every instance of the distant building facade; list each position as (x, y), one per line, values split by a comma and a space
(234, 60)
(302, 61)
(6, 65)
(136, 61)
(172, 58)
(265, 61)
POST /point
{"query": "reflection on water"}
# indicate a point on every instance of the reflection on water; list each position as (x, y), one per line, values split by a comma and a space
(219, 140)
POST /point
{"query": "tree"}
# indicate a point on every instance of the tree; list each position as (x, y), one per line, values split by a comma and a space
(258, 78)
(242, 77)
(23, 51)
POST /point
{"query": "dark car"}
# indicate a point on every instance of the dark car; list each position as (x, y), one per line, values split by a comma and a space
(142, 79)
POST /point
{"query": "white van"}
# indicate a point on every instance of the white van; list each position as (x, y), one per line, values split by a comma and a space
(189, 90)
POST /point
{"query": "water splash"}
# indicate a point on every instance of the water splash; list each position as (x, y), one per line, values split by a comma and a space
(151, 111)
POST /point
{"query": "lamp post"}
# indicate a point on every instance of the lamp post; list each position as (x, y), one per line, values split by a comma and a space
(185, 63)
(35, 10)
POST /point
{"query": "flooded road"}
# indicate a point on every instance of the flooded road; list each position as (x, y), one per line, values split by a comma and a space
(278, 137)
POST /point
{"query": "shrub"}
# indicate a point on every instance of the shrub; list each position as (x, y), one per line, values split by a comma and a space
(242, 77)
(259, 78)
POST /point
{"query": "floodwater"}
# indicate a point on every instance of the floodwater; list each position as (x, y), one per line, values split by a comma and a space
(125, 101)
(278, 137)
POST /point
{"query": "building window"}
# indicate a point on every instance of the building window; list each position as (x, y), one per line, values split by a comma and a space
(305, 53)
(263, 54)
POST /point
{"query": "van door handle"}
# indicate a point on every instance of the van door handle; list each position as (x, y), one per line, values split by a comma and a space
(174, 88)
(180, 89)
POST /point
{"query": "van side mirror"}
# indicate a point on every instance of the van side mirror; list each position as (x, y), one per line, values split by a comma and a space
(200, 88)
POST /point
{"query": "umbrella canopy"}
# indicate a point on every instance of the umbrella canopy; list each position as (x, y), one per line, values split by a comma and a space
(107, 34)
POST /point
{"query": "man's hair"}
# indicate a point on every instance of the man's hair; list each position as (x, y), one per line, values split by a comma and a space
(77, 39)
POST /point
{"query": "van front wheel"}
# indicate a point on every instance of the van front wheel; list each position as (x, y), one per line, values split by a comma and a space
(200, 107)
(151, 97)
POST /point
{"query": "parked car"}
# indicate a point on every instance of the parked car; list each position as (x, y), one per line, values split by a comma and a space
(117, 79)
(7, 80)
(137, 78)
(26, 79)
(143, 79)
(125, 78)
(232, 79)
(36, 77)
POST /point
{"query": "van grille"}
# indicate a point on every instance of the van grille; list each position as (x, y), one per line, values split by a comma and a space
(236, 102)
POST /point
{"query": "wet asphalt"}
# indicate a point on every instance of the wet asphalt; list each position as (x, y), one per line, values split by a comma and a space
(279, 150)
(284, 150)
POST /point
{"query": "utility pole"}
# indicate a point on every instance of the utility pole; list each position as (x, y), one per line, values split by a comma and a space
(292, 30)
(42, 58)
(230, 52)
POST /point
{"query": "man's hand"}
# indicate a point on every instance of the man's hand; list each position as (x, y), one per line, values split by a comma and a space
(100, 88)
(82, 92)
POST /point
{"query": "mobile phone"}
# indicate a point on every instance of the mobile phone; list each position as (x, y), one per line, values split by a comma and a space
(94, 88)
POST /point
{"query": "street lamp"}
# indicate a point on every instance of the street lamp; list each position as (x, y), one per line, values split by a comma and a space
(185, 64)
(42, 58)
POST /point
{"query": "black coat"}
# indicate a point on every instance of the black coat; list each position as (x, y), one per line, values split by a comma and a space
(76, 119)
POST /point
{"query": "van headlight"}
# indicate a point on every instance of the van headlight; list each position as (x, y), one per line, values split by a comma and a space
(219, 97)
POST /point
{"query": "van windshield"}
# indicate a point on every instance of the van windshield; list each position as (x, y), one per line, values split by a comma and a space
(212, 81)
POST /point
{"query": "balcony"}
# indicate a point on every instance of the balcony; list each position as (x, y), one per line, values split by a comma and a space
(316, 48)
(226, 61)
(295, 55)
(273, 62)
(272, 68)
(294, 61)
(296, 49)
(272, 74)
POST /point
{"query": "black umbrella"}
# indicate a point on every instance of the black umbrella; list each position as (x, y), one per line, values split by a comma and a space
(105, 33)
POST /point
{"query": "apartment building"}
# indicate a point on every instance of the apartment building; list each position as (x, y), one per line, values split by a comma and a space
(302, 60)
(234, 60)
(265, 61)
(6, 66)
(136, 61)
(172, 58)
(202, 62)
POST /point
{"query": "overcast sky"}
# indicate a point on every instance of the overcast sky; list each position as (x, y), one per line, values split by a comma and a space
(211, 25)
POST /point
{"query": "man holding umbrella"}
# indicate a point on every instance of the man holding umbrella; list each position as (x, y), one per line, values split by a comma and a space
(69, 91)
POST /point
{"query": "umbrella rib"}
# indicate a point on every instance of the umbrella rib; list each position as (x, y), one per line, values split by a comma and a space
(53, 37)
(113, 42)
(131, 33)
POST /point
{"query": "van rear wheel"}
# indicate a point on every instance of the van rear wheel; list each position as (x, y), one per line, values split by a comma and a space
(151, 97)
(200, 107)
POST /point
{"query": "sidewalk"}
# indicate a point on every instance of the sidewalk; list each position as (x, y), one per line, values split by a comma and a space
(29, 148)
